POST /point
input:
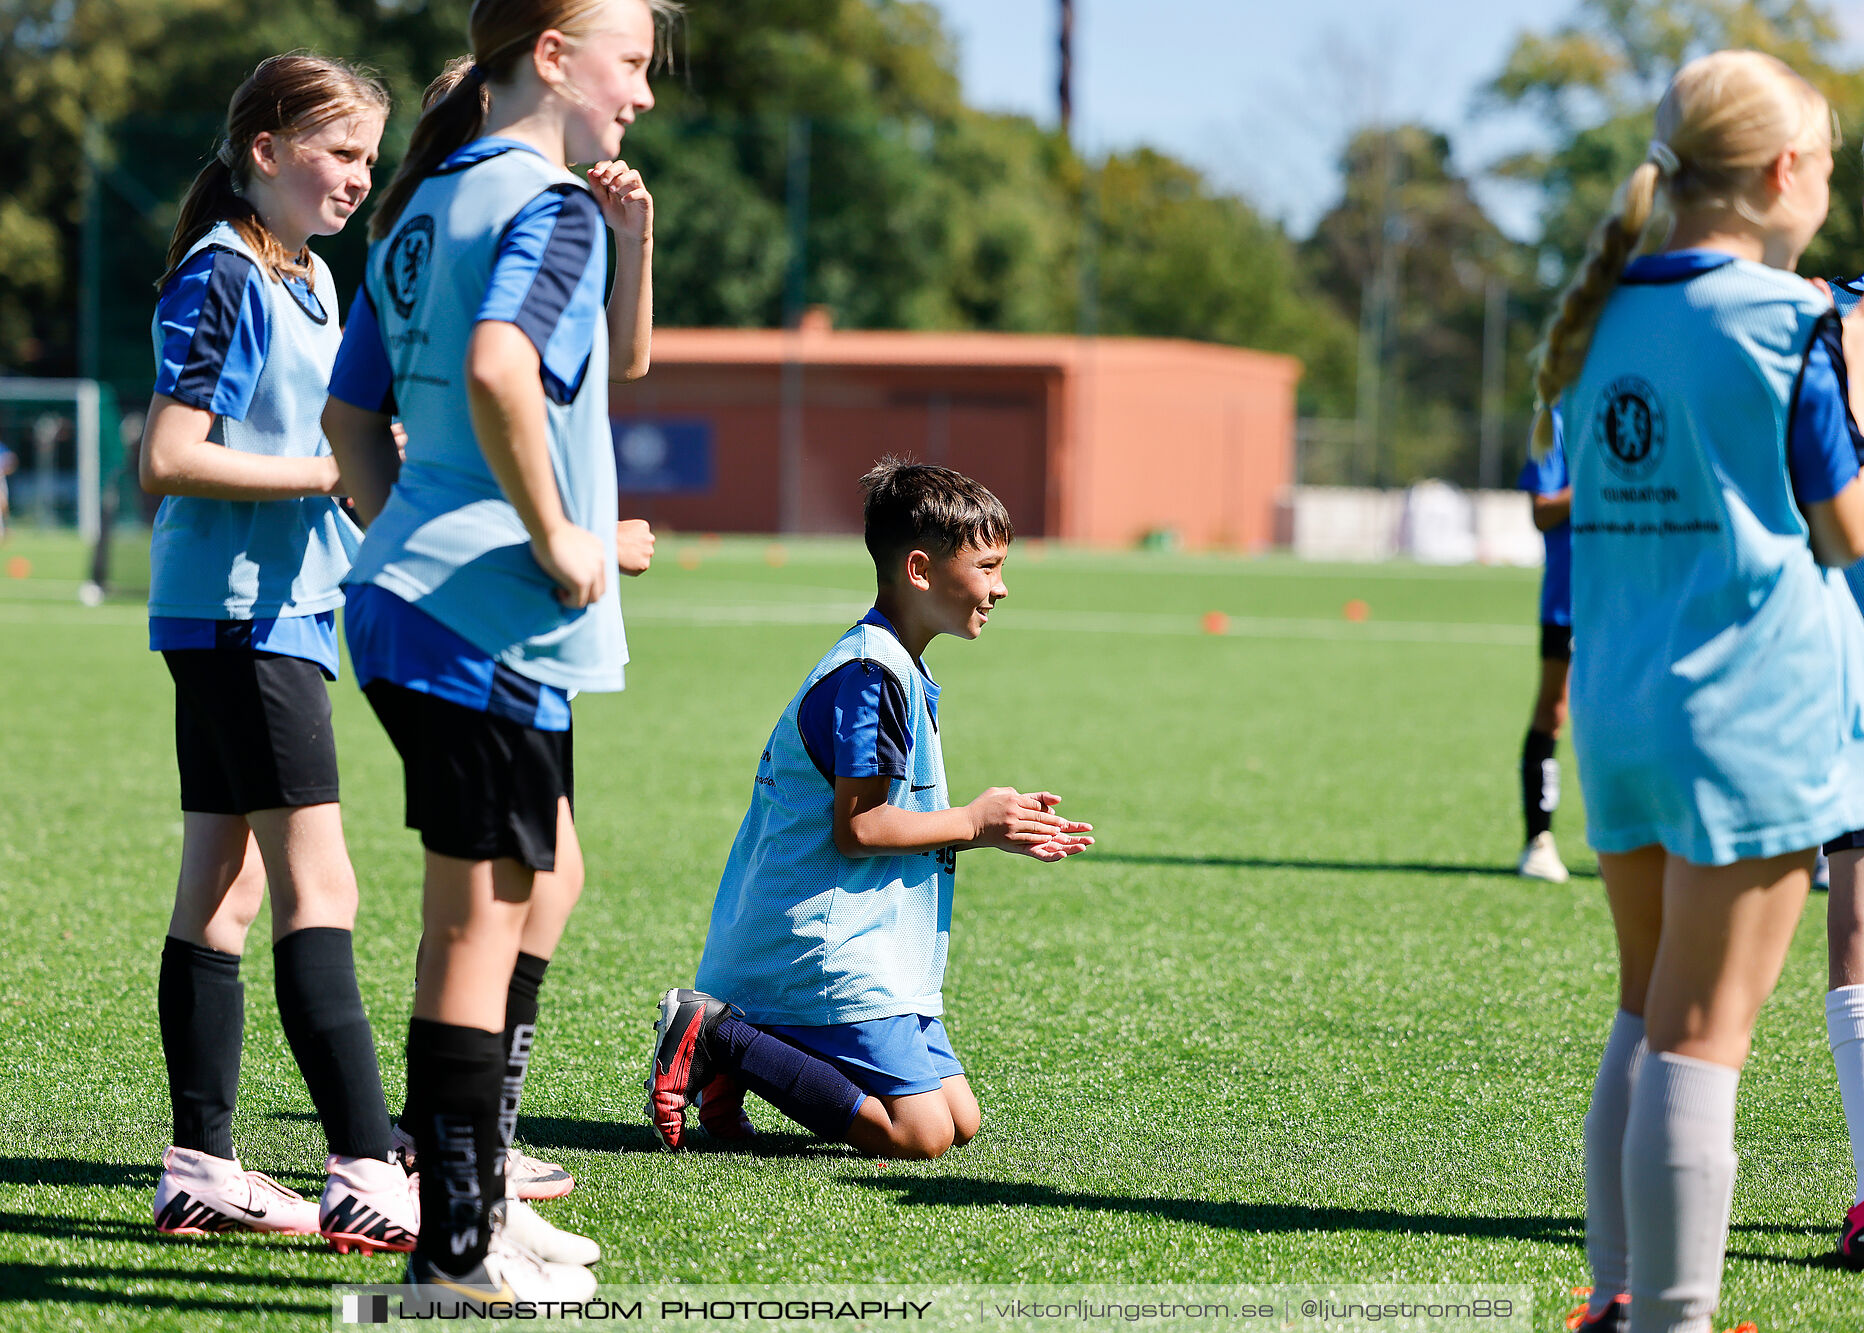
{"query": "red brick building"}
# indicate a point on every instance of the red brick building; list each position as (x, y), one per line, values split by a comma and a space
(1095, 440)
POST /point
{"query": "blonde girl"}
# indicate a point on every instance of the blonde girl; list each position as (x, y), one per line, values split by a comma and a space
(1719, 678)
(485, 592)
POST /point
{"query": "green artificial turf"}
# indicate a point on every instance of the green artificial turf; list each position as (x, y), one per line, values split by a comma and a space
(1292, 1019)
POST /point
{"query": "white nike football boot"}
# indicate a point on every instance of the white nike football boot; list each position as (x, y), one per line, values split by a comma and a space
(369, 1205)
(200, 1194)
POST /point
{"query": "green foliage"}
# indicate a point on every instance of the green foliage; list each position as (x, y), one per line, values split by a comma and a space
(921, 212)
(1177, 260)
(1407, 219)
(1597, 80)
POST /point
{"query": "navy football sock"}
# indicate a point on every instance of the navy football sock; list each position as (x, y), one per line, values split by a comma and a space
(808, 1090)
(321, 1011)
(201, 1008)
(520, 1032)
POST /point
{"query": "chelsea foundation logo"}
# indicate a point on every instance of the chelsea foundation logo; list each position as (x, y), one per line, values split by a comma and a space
(1628, 424)
(407, 262)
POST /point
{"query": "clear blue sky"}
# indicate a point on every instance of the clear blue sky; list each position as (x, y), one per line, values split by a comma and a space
(1261, 93)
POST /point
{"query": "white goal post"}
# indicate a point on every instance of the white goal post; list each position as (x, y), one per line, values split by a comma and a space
(86, 399)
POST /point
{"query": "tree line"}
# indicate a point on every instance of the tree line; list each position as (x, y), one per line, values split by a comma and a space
(819, 152)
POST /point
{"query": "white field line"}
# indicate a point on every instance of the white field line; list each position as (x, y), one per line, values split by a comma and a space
(827, 551)
(701, 615)
(1107, 622)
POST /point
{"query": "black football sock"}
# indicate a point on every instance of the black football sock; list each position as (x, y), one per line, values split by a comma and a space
(411, 1101)
(1540, 783)
(520, 1032)
(320, 1008)
(456, 1139)
(808, 1090)
(201, 1008)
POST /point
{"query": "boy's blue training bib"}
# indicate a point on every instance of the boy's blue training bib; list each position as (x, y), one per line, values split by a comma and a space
(1548, 476)
(802, 934)
(1718, 687)
(497, 233)
(256, 353)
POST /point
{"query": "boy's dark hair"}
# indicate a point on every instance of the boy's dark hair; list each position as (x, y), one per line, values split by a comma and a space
(921, 506)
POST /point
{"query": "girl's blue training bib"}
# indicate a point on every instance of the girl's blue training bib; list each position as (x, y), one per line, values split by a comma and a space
(257, 353)
(497, 233)
(1718, 677)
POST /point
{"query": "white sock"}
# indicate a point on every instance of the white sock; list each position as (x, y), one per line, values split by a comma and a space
(1844, 1024)
(1679, 1180)
(1605, 1144)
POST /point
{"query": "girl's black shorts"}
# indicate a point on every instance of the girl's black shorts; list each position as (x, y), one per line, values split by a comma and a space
(1556, 642)
(252, 731)
(479, 787)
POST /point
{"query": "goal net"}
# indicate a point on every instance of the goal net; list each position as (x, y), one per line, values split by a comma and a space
(66, 437)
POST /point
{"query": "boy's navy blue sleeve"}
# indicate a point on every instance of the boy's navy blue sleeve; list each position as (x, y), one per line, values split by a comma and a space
(547, 278)
(214, 334)
(363, 376)
(1823, 448)
(854, 724)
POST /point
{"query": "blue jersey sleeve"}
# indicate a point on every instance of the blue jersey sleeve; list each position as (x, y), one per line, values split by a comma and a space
(547, 278)
(362, 376)
(1823, 445)
(854, 724)
(1846, 293)
(214, 334)
(1547, 476)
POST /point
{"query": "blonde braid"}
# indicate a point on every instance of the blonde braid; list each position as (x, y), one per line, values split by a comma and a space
(1569, 334)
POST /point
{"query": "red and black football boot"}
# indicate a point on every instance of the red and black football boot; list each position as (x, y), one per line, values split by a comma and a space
(681, 1065)
(1851, 1238)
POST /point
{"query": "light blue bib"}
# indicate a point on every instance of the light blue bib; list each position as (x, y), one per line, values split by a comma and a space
(800, 933)
(448, 541)
(1718, 675)
(262, 559)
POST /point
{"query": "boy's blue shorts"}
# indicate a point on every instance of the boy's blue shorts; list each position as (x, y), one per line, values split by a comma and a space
(886, 1057)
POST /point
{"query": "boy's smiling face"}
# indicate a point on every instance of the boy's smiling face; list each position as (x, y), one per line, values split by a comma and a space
(963, 588)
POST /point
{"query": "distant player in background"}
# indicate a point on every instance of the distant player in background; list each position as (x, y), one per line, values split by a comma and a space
(9, 463)
(249, 550)
(1715, 487)
(1544, 478)
(1844, 938)
(484, 594)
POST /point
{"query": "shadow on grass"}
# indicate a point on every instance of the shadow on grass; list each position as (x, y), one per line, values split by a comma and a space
(126, 1175)
(1349, 867)
(120, 1231)
(70, 1171)
(102, 1284)
(1280, 1218)
(1274, 1218)
(557, 1131)
(547, 1131)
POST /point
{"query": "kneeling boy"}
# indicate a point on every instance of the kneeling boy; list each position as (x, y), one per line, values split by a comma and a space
(826, 950)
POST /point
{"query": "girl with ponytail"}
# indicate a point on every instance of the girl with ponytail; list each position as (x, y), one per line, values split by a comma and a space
(484, 594)
(1718, 672)
(249, 551)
